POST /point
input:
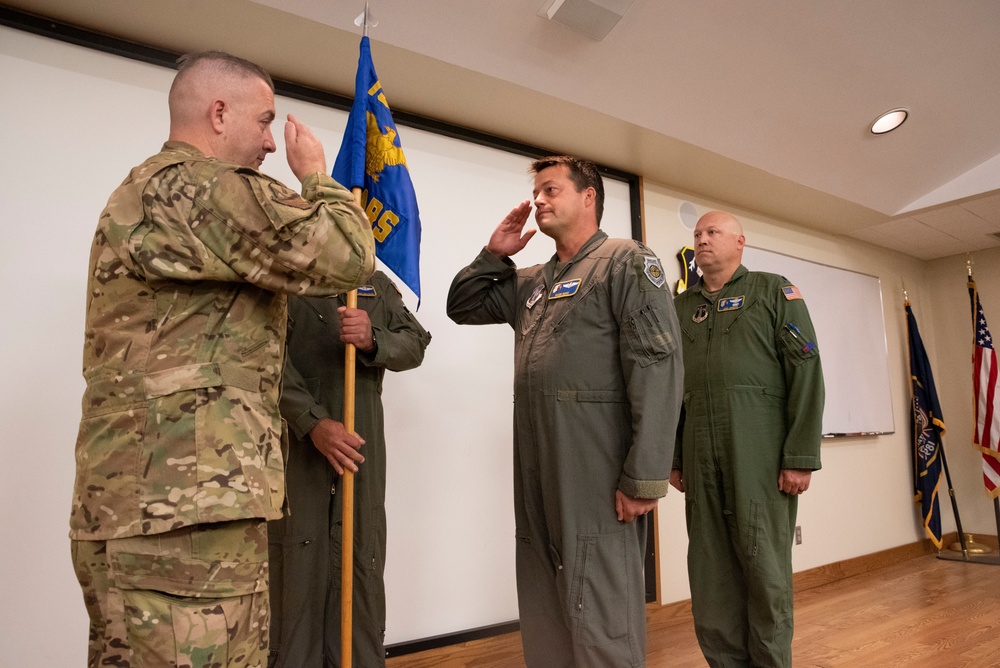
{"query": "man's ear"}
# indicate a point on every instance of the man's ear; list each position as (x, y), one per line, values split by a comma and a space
(590, 196)
(217, 115)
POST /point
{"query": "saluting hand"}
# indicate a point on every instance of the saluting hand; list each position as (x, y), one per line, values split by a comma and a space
(303, 150)
(507, 239)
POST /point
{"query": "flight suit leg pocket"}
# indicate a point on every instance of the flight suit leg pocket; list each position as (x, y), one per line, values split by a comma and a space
(599, 594)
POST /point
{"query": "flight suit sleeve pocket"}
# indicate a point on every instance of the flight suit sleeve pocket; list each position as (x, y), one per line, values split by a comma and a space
(648, 334)
(795, 345)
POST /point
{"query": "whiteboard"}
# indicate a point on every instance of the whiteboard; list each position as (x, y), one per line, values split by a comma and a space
(448, 423)
(846, 310)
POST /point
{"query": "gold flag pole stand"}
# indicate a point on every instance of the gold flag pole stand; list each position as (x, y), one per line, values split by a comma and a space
(971, 546)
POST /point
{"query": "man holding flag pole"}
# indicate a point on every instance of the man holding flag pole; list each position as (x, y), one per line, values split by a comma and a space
(372, 164)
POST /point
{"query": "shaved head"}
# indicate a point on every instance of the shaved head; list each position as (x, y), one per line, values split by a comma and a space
(223, 106)
(205, 76)
(718, 247)
(722, 220)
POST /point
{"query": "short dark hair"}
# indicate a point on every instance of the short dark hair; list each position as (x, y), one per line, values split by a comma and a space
(225, 62)
(583, 174)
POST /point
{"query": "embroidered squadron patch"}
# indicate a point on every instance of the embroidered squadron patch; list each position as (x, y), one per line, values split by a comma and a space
(654, 271)
(791, 292)
(366, 291)
(535, 296)
(700, 313)
(284, 195)
(564, 289)
(730, 304)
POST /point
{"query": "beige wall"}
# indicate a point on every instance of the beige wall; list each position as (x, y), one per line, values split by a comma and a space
(862, 500)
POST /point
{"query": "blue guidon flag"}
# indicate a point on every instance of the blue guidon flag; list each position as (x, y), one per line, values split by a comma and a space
(928, 427)
(371, 158)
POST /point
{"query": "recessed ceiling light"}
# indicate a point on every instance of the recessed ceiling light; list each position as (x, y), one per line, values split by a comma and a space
(889, 121)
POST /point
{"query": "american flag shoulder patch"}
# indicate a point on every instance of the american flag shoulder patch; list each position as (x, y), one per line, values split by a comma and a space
(791, 292)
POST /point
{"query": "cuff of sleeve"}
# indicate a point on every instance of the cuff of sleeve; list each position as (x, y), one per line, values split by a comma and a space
(500, 263)
(374, 357)
(306, 421)
(800, 462)
(316, 180)
(643, 489)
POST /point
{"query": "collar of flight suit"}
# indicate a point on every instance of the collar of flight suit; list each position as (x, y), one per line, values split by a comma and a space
(598, 238)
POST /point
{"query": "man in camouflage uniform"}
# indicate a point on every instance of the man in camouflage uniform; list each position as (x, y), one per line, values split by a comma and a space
(179, 455)
(753, 413)
(305, 547)
(597, 393)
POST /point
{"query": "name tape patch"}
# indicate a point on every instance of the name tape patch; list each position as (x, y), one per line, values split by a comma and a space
(731, 303)
(564, 289)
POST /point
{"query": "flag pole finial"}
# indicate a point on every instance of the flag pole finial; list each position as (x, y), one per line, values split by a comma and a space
(968, 264)
(366, 20)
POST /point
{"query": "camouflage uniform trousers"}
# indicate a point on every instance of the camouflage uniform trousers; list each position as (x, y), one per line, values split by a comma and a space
(190, 598)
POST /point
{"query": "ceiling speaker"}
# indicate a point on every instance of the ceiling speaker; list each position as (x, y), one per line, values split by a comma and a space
(595, 18)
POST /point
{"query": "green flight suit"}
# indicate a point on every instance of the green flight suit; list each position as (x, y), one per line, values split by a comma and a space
(305, 546)
(597, 382)
(753, 405)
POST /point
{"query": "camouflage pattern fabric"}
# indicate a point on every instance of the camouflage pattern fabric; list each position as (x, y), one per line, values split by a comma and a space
(188, 598)
(185, 335)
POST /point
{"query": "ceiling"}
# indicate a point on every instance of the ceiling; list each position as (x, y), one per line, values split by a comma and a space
(759, 104)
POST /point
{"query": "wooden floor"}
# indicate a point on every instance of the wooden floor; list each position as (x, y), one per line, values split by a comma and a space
(918, 613)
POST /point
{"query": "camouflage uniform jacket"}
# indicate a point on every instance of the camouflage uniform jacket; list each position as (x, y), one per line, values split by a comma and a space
(184, 338)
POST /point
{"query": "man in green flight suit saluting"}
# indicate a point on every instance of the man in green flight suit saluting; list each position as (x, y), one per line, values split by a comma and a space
(749, 442)
(597, 380)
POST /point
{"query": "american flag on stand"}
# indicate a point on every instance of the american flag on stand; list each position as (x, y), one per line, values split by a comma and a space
(986, 400)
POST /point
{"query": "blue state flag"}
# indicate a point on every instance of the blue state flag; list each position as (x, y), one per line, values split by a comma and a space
(371, 158)
(928, 427)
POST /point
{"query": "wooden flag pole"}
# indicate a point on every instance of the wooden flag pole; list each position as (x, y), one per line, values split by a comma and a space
(347, 497)
(347, 484)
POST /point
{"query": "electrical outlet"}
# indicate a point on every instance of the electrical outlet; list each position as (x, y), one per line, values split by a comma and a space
(798, 534)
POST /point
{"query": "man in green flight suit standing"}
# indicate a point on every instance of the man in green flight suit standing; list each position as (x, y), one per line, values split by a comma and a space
(749, 442)
(597, 381)
(305, 547)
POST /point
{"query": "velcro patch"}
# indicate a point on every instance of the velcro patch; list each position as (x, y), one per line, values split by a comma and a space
(366, 291)
(731, 303)
(536, 294)
(791, 292)
(288, 197)
(649, 271)
(565, 289)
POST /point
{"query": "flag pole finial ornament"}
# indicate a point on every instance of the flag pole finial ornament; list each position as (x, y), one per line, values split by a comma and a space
(366, 20)
(968, 264)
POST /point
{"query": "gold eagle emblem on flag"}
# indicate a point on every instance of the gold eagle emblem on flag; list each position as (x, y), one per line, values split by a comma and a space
(381, 148)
